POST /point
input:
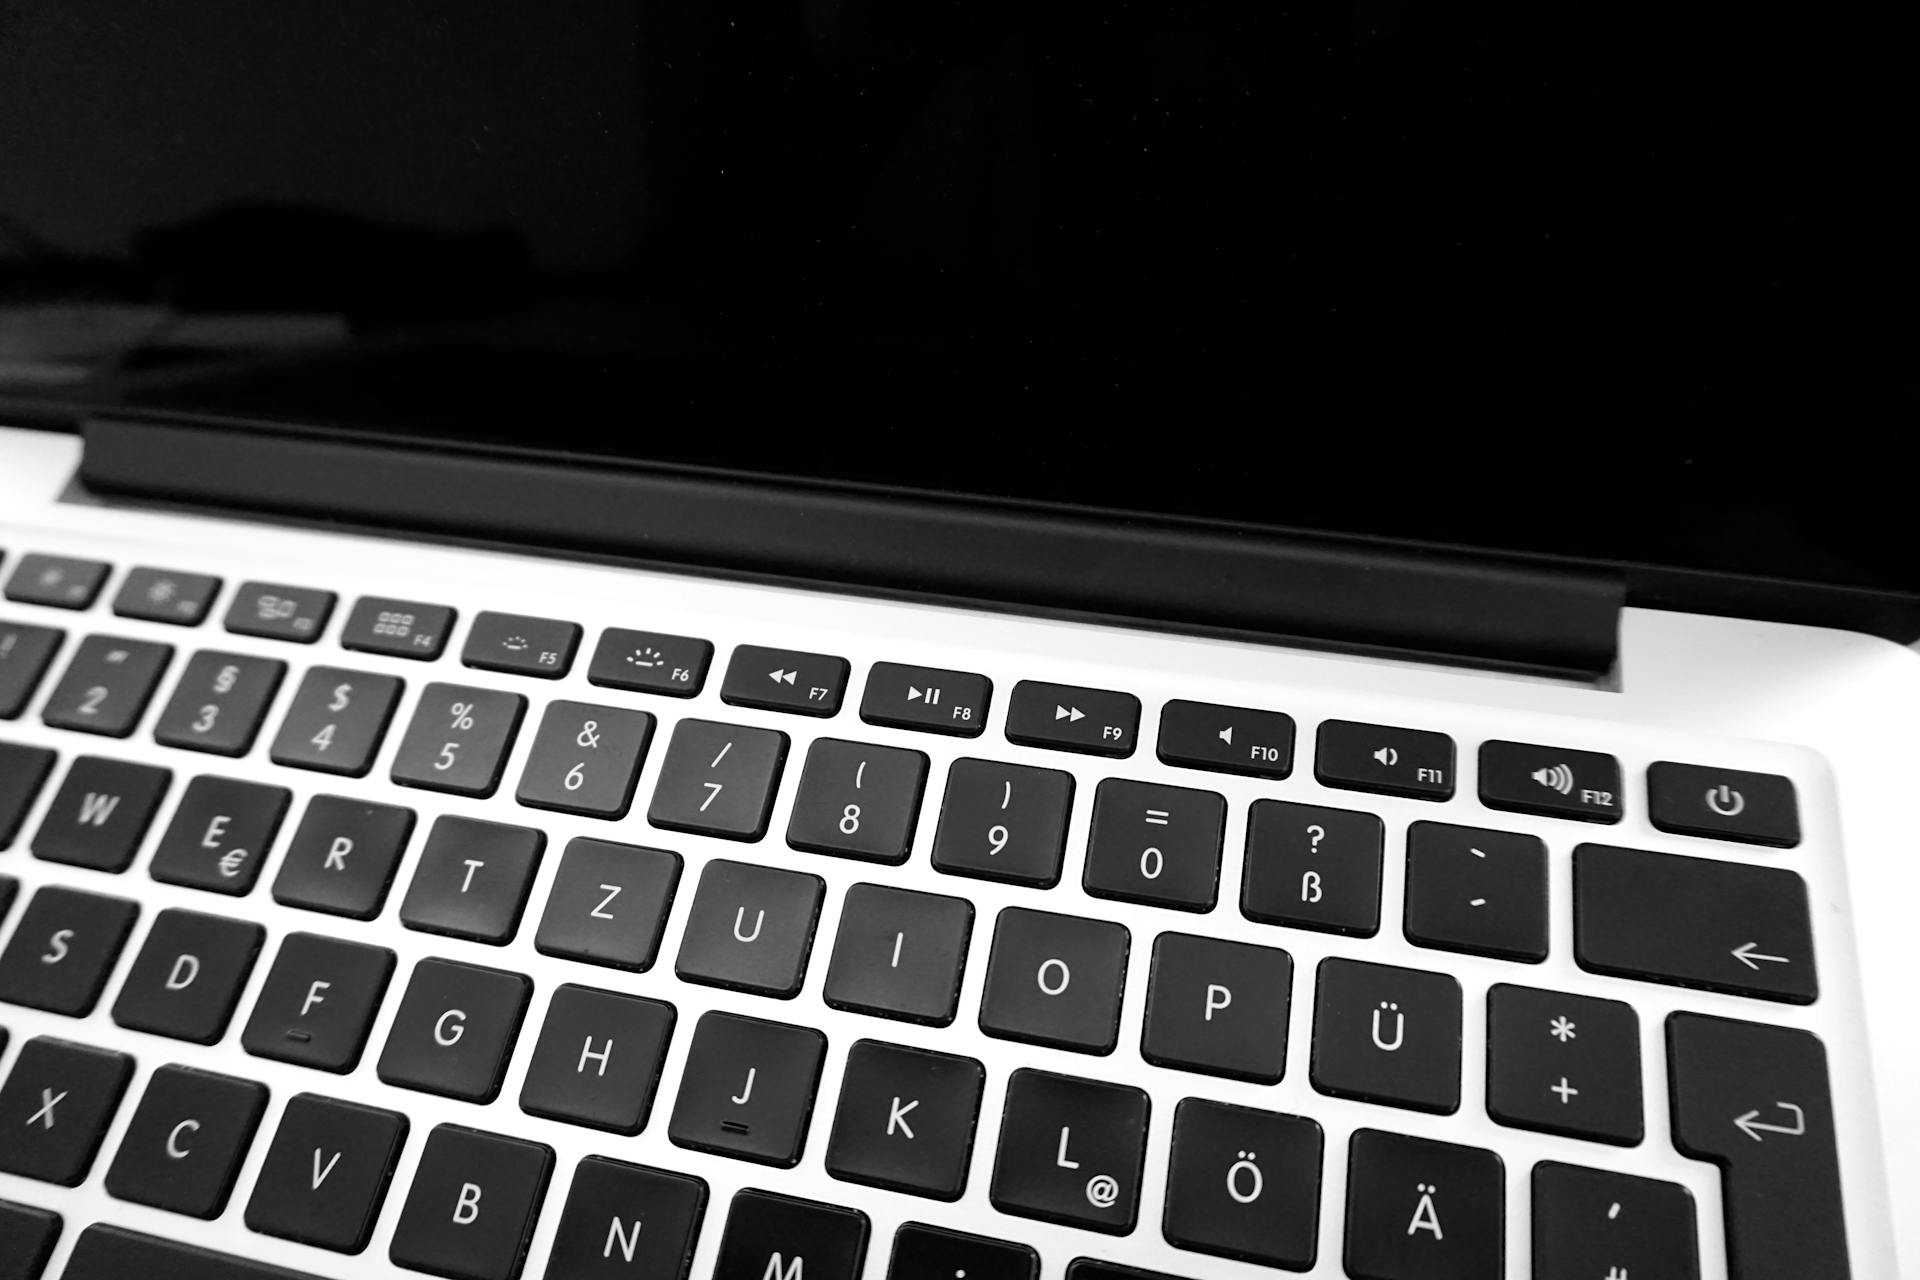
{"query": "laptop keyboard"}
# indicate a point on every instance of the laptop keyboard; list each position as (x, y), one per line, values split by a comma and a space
(1125, 988)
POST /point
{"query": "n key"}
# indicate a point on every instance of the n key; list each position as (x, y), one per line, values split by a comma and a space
(55, 1108)
(627, 1222)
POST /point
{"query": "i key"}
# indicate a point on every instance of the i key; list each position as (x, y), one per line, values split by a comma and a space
(458, 740)
(318, 1002)
(1423, 1210)
(586, 759)
(747, 1089)
(183, 1149)
(1005, 822)
(906, 1120)
(455, 1030)
(1155, 844)
(220, 702)
(220, 835)
(774, 1235)
(471, 1211)
(718, 780)
(336, 721)
(858, 800)
(598, 1059)
(625, 1221)
(106, 687)
(187, 978)
(473, 879)
(326, 1174)
(63, 949)
(1071, 1151)
(55, 1108)
(900, 954)
(101, 813)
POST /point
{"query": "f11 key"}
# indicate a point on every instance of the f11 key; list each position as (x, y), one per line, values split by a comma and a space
(1382, 758)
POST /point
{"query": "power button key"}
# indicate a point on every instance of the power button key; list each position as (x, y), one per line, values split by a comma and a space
(1723, 804)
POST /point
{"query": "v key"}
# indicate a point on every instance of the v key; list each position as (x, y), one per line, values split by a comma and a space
(326, 1173)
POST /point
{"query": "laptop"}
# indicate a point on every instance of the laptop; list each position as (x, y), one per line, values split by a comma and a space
(914, 642)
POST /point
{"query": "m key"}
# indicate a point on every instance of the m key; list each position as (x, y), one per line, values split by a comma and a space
(906, 1120)
(773, 1237)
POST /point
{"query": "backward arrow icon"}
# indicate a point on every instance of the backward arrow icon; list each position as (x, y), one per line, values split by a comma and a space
(1750, 1125)
(1747, 956)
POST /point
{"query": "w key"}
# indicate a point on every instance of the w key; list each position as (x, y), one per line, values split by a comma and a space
(1155, 844)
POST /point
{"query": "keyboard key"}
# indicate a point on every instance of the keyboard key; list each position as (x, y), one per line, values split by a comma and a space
(649, 662)
(8, 888)
(25, 654)
(718, 780)
(750, 928)
(921, 1252)
(1528, 778)
(28, 1235)
(107, 685)
(1201, 735)
(1218, 1007)
(1384, 759)
(609, 904)
(1481, 892)
(473, 879)
(1244, 1184)
(598, 1059)
(858, 800)
(899, 954)
(458, 739)
(906, 1120)
(626, 1222)
(586, 759)
(343, 856)
(455, 1030)
(63, 949)
(163, 595)
(808, 684)
(1564, 1064)
(520, 645)
(279, 612)
(1423, 1210)
(927, 698)
(1005, 822)
(777, 1236)
(1155, 844)
(187, 978)
(1091, 1269)
(1055, 980)
(1097, 722)
(1724, 804)
(55, 1108)
(1693, 922)
(112, 1253)
(318, 1002)
(747, 1089)
(101, 813)
(220, 703)
(397, 628)
(220, 834)
(326, 1173)
(183, 1149)
(1071, 1151)
(1388, 1035)
(474, 1201)
(336, 721)
(23, 771)
(61, 581)
(1313, 868)
(1585, 1219)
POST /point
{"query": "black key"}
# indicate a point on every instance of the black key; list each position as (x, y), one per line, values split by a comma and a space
(183, 1148)
(336, 721)
(63, 949)
(1218, 1007)
(455, 1030)
(397, 628)
(649, 662)
(773, 1237)
(318, 1002)
(718, 780)
(1155, 844)
(8, 888)
(101, 813)
(187, 978)
(1313, 868)
(220, 834)
(1384, 1034)
(163, 595)
(808, 684)
(1481, 892)
(113, 1253)
(23, 771)
(107, 685)
(586, 759)
(220, 703)
(927, 698)
(458, 739)
(1071, 1151)
(906, 1120)
(520, 645)
(1423, 1210)
(1005, 822)
(858, 800)
(1055, 980)
(326, 1173)
(625, 1222)
(1386, 759)
(1693, 922)
(25, 654)
(343, 856)
(61, 581)
(279, 612)
(473, 879)
(1564, 1064)
(609, 903)
(899, 954)
(921, 1252)
(1586, 1219)
(747, 1089)
(27, 1237)
(474, 1201)
(1528, 778)
(1244, 1184)
(750, 928)
(1091, 1269)
(55, 1108)
(598, 1059)
(1725, 804)
(1202, 735)
(1097, 722)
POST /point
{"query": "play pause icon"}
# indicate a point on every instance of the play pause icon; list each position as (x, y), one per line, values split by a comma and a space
(930, 696)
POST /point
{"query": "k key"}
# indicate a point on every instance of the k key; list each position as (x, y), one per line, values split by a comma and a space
(906, 1120)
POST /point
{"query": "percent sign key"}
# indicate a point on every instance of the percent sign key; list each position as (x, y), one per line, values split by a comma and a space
(459, 739)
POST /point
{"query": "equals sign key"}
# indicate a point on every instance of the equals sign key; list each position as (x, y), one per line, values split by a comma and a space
(927, 698)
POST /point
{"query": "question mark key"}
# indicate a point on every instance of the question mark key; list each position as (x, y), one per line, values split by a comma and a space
(1313, 868)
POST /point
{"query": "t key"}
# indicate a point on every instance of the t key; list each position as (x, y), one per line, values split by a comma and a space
(473, 879)
(1155, 844)
(718, 780)
(458, 740)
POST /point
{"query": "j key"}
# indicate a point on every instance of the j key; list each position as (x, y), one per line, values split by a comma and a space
(458, 740)
(1754, 1100)
(1313, 868)
(520, 645)
(1155, 844)
(586, 759)
(397, 628)
(1526, 778)
(162, 595)
(1055, 980)
(623, 1221)
(747, 1089)
(318, 1002)
(29, 1235)
(1481, 892)
(906, 1120)
(608, 904)
(921, 1252)
(1071, 1151)
(106, 687)
(750, 928)
(1382, 758)
(187, 978)
(473, 1204)
(1218, 1007)
(25, 654)
(1564, 1064)
(101, 813)
(1383, 1034)
(336, 721)
(23, 771)
(220, 835)
(1423, 1210)
(55, 1108)
(1244, 1184)
(718, 780)
(649, 662)
(926, 698)
(900, 954)
(60, 581)
(1694, 922)
(809, 684)
(279, 612)
(773, 1235)
(63, 949)
(112, 1253)
(473, 879)
(220, 702)
(455, 1030)
(183, 1148)
(326, 1173)
(1725, 804)
(1585, 1219)
(343, 856)
(1201, 735)
(1097, 722)
(598, 1059)
(858, 800)
(1005, 822)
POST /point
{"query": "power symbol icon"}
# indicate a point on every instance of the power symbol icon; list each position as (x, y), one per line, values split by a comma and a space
(1725, 801)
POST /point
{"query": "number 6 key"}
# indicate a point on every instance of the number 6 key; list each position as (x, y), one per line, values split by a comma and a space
(586, 759)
